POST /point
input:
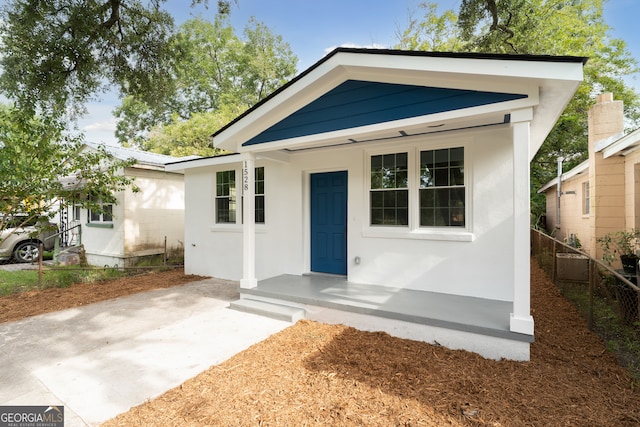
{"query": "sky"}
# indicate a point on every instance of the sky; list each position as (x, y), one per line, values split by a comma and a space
(315, 27)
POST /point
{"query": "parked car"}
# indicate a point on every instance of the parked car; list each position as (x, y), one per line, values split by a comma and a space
(22, 243)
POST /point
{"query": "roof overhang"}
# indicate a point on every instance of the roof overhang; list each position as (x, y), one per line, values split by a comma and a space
(203, 162)
(621, 145)
(578, 170)
(224, 159)
(543, 84)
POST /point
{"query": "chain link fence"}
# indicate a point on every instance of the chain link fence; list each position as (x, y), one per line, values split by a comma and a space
(607, 298)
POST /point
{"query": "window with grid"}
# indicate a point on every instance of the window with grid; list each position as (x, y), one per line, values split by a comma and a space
(259, 196)
(389, 195)
(226, 197)
(442, 190)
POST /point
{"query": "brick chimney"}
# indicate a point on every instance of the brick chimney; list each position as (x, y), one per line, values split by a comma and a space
(606, 176)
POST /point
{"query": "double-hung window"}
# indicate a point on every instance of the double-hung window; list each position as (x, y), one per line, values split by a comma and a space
(442, 191)
(422, 191)
(225, 202)
(259, 195)
(390, 189)
(225, 205)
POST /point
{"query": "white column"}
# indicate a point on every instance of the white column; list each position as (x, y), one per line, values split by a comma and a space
(248, 224)
(521, 319)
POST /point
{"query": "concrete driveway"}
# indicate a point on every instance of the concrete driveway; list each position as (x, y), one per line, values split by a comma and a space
(101, 359)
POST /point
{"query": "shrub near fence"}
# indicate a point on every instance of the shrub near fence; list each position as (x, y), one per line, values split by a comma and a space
(607, 298)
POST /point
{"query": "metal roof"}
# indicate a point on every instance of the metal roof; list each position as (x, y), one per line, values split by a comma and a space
(141, 157)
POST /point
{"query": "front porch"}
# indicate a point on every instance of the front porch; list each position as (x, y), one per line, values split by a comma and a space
(475, 324)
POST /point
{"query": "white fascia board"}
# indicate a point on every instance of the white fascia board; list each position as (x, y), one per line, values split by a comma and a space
(604, 143)
(582, 167)
(554, 98)
(180, 167)
(466, 68)
(621, 145)
(548, 185)
(205, 162)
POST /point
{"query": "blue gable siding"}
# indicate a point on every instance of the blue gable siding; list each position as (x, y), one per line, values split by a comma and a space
(359, 103)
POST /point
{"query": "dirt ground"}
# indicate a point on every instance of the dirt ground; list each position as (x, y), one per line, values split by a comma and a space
(18, 306)
(315, 374)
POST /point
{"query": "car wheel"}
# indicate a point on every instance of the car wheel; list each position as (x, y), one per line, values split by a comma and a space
(26, 252)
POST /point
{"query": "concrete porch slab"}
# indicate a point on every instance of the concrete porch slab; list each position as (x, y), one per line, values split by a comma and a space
(465, 314)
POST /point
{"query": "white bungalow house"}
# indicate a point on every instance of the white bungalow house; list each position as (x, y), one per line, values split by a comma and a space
(138, 224)
(387, 190)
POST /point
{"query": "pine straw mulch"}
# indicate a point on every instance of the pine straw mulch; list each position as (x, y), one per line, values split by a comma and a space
(316, 374)
(31, 303)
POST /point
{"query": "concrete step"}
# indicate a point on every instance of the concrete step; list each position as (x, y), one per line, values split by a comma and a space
(268, 309)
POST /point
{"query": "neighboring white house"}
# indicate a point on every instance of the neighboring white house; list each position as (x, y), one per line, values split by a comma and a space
(400, 171)
(137, 225)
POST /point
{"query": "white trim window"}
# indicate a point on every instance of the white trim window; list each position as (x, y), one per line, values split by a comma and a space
(389, 190)
(225, 205)
(103, 214)
(258, 209)
(226, 202)
(419, 193)
(259, 195)
(442, 189)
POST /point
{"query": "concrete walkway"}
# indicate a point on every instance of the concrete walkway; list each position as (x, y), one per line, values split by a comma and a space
(101, 359)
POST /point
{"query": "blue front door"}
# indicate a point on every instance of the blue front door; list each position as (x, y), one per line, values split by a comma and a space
(329, 222)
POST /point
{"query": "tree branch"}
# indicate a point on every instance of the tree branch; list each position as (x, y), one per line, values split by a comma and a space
(492, 8)
(114, 18)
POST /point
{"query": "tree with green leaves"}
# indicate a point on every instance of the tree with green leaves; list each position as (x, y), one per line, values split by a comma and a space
(55, 56)
(40, 166)
(544, 27)
(58, 54)
(218, 77)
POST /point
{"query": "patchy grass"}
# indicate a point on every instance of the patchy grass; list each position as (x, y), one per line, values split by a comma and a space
(12, 282)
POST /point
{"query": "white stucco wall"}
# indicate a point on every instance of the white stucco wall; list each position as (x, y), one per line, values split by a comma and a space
(153, 213)
(104, 243)
(140, 220)
(482, 267)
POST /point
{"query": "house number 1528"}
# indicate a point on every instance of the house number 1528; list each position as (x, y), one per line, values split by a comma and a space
(245, 177)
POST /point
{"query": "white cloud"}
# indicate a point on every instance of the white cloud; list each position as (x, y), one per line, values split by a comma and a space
(101, 126)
